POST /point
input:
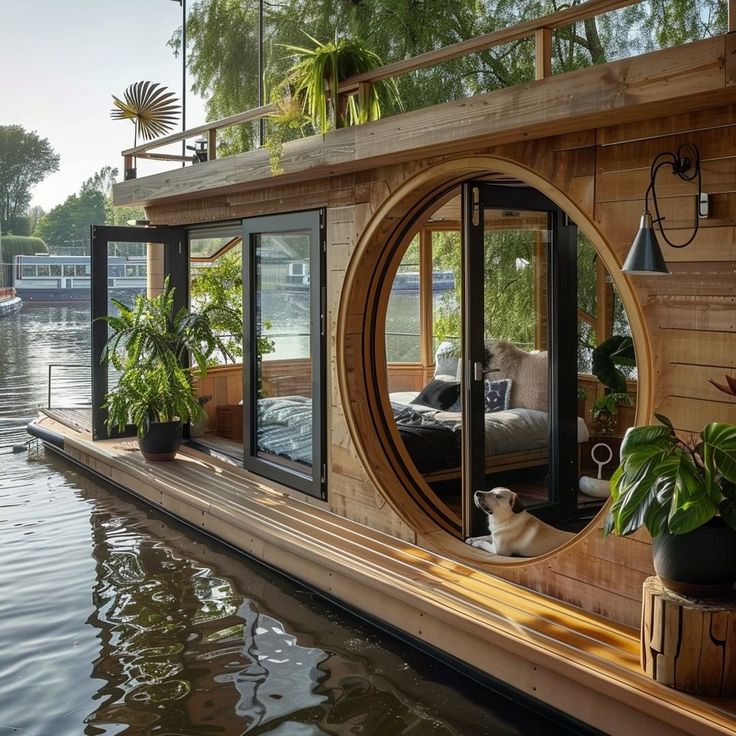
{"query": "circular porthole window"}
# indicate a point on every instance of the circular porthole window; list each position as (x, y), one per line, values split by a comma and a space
(474, 367)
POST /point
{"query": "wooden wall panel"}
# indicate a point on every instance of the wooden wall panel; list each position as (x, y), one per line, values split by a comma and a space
(689, 315)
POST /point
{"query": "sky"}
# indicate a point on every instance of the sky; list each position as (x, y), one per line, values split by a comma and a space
(60, 63)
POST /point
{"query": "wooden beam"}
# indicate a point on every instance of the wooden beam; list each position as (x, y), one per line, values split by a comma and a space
(425, 296)
(543, 53)
(211, 144)
(687, 77)
(731, 16)
(241, 117)
(489, 40)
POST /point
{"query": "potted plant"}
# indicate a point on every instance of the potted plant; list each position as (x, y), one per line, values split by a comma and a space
(684, 493)
(617, 350)
(149, 345)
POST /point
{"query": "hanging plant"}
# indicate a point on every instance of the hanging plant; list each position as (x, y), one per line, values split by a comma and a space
(150, 106)
(316, 76)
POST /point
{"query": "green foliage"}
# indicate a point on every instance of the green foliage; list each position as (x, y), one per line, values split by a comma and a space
(148, 345)
(66, 227)
(17, 245)
(671, 486)
(25, 160)
(223, 44)
(220, 287)
(316, 75)
(617, 350)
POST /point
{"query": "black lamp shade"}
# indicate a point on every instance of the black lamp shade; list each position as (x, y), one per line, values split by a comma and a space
(645, 257)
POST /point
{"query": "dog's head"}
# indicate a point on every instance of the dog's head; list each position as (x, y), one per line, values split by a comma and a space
(499, 502)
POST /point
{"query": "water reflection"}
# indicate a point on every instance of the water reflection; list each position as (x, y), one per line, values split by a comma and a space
(118, 620)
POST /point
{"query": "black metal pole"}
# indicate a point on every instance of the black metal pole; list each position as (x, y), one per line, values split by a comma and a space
(183, 76)
(261, 121)
(183, 4)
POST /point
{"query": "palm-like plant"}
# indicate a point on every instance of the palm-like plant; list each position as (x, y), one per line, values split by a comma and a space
(148, 345)
(151, 107)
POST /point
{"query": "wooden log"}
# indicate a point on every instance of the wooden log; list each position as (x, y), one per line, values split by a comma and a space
(687, 644)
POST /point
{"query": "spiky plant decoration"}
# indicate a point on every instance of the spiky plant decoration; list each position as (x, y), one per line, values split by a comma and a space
(150, 106)
(316, 75)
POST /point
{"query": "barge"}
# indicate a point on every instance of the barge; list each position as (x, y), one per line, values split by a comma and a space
(10, 303)
(362, 511)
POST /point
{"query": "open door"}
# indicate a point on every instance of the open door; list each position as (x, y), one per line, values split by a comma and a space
(526, 233)
(120, 262)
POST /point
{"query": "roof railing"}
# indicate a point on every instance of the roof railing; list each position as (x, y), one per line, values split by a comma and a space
(540, 28)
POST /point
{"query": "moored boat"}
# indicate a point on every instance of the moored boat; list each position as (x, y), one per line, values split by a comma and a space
(10, 303)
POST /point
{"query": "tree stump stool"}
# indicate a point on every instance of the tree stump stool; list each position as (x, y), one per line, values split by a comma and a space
(688, 644)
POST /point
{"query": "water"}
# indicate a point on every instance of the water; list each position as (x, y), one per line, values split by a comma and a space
(115, 619)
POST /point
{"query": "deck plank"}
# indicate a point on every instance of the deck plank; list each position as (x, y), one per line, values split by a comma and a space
(575, 661)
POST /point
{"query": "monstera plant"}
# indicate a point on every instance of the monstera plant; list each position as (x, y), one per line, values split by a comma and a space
(684, 493)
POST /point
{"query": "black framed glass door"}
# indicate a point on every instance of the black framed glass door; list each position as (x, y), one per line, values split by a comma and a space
(284, 339)
(120, 268)
(519, 350)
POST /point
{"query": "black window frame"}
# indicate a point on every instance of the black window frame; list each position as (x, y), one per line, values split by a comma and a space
(314, 484)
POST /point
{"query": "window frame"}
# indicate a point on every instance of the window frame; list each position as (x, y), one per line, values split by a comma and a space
(286, 473)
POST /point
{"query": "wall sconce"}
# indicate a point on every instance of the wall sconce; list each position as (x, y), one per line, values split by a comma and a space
(645, 256)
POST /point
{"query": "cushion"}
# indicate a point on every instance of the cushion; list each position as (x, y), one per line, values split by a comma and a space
(497, 394)
(446, 359)
(528, 372)
(438, 394)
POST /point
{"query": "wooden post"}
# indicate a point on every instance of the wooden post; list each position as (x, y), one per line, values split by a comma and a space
(543, 53)
(128, 168)
(212, 144)
(425, 299)
(688, 644)
(731, 16)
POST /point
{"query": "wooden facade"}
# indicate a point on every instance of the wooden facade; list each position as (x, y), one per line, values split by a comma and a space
(586, 140)
(683, 324)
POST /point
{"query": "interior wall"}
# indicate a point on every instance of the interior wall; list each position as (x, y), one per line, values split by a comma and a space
(688, 317)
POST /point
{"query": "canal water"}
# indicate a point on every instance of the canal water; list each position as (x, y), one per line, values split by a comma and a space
(116, 619)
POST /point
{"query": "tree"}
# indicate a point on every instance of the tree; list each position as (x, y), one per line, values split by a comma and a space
(25, 160)
(66, 227)
(223, 43)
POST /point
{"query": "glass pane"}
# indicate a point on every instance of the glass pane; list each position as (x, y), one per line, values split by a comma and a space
(515, 434)
(283, 329)
(124, 283)
(446, 289)
(210, 247)
(403, 340)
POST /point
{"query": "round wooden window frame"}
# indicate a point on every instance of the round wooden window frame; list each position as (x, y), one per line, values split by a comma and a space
(360, 340)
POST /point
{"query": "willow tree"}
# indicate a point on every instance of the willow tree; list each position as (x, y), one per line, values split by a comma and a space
(223, 43)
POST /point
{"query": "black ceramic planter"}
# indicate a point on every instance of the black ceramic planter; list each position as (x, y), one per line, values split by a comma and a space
(701, 563)
(161, 441)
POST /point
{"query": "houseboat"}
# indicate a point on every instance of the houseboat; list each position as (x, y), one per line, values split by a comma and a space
(53, 278)
(10, 302)
(351, 465)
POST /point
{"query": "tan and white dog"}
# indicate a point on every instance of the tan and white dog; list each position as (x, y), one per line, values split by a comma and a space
(513, 530)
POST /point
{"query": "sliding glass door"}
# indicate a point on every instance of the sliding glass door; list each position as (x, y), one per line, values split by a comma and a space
(284, 380)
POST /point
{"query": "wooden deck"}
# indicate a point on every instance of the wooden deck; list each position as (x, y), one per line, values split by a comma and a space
(574, 661)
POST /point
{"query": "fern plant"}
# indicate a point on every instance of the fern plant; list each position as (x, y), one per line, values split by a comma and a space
(149, 344)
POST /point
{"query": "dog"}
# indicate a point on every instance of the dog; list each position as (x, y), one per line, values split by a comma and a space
(513, 530)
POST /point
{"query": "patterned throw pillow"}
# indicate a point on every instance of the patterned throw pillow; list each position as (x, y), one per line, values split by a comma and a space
(497, 394)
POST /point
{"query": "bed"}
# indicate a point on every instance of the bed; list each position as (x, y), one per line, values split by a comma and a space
(516, 418)
(429, 421)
